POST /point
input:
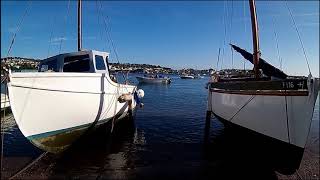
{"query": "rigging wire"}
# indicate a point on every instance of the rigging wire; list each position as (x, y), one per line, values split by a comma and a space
(277, 41)
(108, 35)
(243, 106)
(225, 33)
(100, 24)
(19, 27)
(222, 59)
(218, 59)
(245, 29)
(296, 28)
(65, 24)
(231, 22)
(51, 35)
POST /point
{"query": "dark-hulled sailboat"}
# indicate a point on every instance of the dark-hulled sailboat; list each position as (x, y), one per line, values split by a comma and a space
(272, 104)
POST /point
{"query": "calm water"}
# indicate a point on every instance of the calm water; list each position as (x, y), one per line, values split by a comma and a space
(167, 138)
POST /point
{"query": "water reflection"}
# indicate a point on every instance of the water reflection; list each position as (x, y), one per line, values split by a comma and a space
(101, 150)
(7, 123)
(126, 154)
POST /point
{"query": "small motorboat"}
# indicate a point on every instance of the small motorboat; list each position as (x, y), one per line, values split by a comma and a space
(186, 77)
(157, 79)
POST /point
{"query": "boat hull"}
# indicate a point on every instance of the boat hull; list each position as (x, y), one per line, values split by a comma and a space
(186, 77)
(278, 155)
(154, 80)
(285, 118)
(53, 110)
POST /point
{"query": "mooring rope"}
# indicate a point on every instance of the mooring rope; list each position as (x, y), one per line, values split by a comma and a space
(28, 166)
(115, 109)
(2, 123)
(3, 78)
(6, 76)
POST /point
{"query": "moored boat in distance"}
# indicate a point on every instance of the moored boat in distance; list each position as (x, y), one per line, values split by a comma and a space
(198, 76)
(186, 76)
(154, 79)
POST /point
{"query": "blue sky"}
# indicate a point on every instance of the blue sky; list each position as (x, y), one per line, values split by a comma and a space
(177, 34)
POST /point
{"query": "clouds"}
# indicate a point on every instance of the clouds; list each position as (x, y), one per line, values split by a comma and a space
(58, 39)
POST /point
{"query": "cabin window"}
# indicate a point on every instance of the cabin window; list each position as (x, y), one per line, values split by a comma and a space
(48, 66)
(76, 63)
(100, 63)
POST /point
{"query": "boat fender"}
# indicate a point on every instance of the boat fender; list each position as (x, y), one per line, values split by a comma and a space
(125, 98)
(138, 95)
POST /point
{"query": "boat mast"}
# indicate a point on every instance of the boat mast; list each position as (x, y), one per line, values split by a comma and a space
(79, 26)
(255, 37)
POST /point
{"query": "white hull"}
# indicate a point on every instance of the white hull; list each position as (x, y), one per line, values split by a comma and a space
(47, 105)
(186, 77)
(153, 80)
(267, 114)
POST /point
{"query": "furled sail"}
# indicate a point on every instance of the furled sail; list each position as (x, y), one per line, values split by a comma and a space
(267, 68)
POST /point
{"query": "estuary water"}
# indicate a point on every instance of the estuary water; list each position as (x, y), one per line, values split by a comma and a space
(168, 138)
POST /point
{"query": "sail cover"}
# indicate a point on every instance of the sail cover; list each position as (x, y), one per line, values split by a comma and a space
(267, 68)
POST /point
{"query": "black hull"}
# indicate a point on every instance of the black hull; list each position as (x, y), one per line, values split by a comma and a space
(283, 157)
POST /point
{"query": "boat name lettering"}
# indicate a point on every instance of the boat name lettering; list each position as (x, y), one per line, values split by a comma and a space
(288, 85)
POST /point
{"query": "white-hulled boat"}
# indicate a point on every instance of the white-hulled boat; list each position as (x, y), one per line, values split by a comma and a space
(185, 76)
(278, 106)
(70, 94)
(154, 80)
(198, 76)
